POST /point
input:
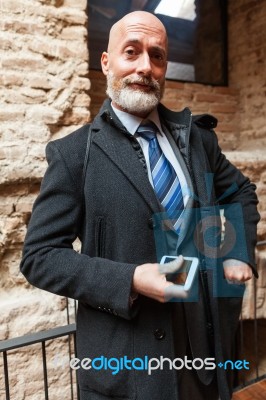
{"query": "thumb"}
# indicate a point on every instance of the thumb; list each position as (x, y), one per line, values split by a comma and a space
(172, 266)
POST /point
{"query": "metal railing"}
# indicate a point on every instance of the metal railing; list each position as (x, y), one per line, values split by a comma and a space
(70, 330)
(42, 338)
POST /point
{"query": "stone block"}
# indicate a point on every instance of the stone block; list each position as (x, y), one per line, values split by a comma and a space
(74, 33)
(81, 83)
(49, 115)
(23, 27)
(22, 207)
(69, 15)
(64, 100)
(4, 332)
(60, 49)
(37, 151)
(82, 100)
(12, 78)
(36, 94)
(28, 62)
(13, 153)
(12, 6)
(11, 96)
(7, 44)
(12, 113)
(82, 69)
(73, 50)
(76, 116)
(2, 154)
(54, 3)
(44, 81)
(24, 96)
(43, 304)
(81, 4)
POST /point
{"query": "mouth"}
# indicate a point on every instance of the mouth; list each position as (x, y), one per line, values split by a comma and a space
(141, 86)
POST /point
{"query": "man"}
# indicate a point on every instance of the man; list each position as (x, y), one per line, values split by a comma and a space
(119, 215)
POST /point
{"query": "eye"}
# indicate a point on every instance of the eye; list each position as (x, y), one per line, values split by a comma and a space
(130, 51)
(158, 57)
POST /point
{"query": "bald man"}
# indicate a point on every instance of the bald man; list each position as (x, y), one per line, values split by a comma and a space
(132, 342)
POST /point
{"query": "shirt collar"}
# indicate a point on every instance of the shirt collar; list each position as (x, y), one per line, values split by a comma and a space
(131, 122)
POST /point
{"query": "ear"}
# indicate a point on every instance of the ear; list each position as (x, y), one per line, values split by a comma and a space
(105, 62)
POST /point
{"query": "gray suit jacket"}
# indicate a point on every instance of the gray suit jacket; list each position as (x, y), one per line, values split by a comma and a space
(117, 217)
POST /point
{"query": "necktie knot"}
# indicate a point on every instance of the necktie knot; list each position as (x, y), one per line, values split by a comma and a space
(148, 131)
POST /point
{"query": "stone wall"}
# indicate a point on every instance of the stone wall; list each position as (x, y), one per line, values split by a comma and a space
(45, 94)
(44, 89)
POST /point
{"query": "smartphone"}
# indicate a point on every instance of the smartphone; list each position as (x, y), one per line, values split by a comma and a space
(185, 276)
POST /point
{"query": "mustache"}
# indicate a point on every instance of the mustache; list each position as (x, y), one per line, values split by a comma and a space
(152, 83)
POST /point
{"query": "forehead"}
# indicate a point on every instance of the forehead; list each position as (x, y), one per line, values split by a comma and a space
(140, 27)
(138, 32)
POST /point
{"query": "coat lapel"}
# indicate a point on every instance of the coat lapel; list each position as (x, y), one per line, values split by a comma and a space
(117, 146)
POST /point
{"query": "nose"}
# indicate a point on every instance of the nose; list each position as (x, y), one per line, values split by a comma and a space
(144, 65)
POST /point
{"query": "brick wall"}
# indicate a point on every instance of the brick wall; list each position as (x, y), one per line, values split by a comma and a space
(247, 72)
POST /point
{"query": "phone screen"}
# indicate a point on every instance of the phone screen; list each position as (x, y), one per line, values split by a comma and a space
(180, 277)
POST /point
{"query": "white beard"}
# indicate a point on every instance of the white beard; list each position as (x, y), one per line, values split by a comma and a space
(131, 100)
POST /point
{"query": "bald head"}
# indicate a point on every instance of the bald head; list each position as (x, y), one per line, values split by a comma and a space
(135, 63)
(141, 20)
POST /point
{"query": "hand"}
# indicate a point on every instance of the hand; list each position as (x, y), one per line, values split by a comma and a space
(150, 279)
(237, 272)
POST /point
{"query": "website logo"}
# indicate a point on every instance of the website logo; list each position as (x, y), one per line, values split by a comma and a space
(115, 365)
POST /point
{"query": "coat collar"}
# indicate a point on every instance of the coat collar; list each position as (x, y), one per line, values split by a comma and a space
(106, 125)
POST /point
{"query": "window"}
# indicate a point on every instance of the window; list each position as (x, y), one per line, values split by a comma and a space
(196, 31)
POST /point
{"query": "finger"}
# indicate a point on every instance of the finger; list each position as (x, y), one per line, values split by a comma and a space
(238, 276)
(175, 291)
(238, 271)
(172, 266)
(235, 282)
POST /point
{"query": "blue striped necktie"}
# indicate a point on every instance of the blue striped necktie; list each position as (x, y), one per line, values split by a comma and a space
(165, 180)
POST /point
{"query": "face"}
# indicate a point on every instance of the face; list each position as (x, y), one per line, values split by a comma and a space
(135, 64)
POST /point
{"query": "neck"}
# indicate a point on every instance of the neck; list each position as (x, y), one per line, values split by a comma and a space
(142, 114)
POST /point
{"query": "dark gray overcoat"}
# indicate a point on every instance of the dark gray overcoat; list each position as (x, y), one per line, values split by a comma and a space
(117, 218)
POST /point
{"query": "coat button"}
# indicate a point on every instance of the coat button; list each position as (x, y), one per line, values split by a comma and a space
(151, 223)
(210, 328)
(159, 334)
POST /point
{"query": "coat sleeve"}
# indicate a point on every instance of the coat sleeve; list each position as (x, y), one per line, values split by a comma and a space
(49, 261)
(237, 196)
